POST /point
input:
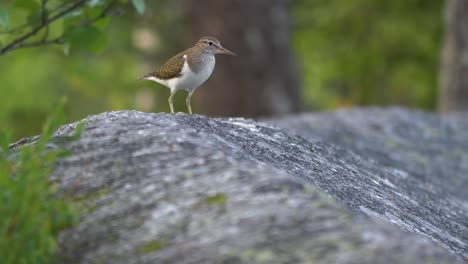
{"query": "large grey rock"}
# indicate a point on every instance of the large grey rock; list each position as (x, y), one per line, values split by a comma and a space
(157, 188)
(416, 165)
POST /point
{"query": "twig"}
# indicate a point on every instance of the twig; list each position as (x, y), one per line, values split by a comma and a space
(44, 20)
(19, 29)
(103, 13)
(17, 42)
(105, 10)
(45, 24)
(57, 40)
(19, 143)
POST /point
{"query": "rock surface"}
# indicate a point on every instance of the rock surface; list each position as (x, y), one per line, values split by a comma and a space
(419, 162)
(357, 186)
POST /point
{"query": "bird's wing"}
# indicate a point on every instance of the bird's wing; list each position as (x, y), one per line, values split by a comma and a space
(172, 68)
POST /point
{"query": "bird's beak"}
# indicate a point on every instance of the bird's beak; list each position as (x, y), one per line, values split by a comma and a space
(222, 50)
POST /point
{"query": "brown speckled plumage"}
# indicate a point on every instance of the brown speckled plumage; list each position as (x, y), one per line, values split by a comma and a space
(171, 68)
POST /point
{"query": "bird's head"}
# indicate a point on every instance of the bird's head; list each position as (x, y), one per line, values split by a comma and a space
(212, 46)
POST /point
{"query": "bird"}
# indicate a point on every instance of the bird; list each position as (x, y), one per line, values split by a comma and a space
(188, 69)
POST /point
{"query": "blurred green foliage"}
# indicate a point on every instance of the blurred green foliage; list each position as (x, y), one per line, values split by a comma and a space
(369, 52)
(96, 66)
(358, 52)
(32, 212)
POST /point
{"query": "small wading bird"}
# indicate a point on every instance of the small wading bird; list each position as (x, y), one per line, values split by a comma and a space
(188, 69)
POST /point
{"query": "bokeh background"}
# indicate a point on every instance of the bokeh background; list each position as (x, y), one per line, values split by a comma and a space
(297, 55)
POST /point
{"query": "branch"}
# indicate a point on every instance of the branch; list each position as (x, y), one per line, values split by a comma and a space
(104, 11)
(18, 42)
(19, 29)
(44, 19)
(57, 40)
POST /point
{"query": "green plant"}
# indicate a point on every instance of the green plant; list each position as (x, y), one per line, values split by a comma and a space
(72, 24)
(32, 212)
(86, 53)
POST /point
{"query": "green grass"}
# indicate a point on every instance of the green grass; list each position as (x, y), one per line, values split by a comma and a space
(32, 212)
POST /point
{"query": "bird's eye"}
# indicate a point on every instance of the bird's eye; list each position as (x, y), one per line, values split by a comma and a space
(210, 43)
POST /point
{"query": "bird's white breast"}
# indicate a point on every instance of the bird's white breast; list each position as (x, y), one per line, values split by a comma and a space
(194, 79)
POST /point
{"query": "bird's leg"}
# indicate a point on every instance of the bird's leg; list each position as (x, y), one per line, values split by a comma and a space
(187, 101)
(171, 102)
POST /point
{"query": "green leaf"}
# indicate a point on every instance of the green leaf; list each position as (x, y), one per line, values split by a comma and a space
(89, 38)
(102, 23)
(66, 48)
(79, 129)
(4, 140)
(70, 22)
(27, 4)
(91, 11)
(52, 124)
(3, 17)
(139, 6)
(34, 16)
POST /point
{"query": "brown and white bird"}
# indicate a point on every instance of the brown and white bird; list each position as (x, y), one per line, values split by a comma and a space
(188, 69)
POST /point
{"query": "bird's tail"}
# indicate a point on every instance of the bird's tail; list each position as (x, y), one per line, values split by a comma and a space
(145, 77)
